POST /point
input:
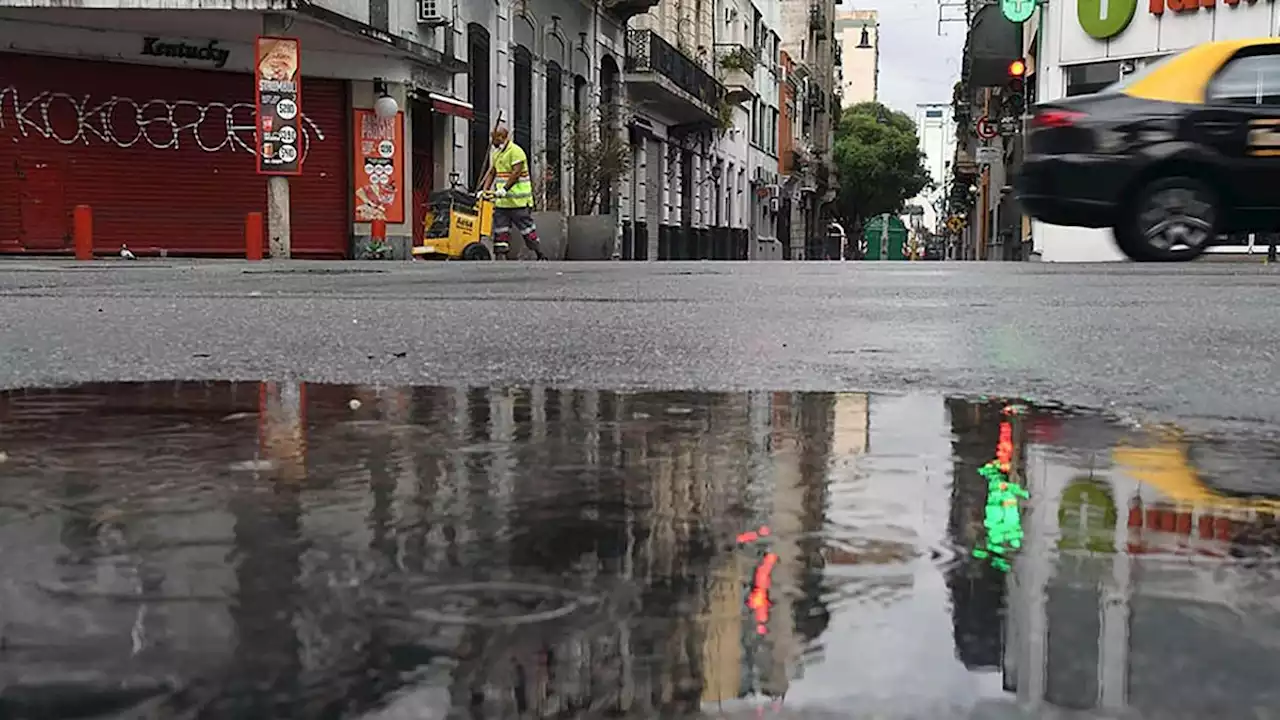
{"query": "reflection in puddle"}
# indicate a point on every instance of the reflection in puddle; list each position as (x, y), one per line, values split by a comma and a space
(259, 550)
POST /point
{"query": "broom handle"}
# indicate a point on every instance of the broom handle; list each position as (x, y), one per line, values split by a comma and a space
(488, 156)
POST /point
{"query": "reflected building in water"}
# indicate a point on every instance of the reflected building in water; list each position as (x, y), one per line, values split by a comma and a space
(978, 589)
(1130, 596)
(279, 543)
(752, 650)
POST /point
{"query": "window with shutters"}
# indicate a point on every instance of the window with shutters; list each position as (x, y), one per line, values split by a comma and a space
(478, 84)
(555, 138)
(522, 100)
(609, 112)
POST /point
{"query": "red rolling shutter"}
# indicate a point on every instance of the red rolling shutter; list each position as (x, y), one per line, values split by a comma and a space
(161, 155)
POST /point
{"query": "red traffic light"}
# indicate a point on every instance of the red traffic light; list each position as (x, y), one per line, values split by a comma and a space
(1018, 68)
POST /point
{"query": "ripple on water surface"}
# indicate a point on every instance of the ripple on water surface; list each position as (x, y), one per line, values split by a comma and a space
(267, 550)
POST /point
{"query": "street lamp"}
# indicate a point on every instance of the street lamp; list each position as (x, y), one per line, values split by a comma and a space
(384, 106)
(865, 42)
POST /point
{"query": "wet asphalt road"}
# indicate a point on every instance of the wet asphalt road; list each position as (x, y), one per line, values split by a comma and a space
(246, 551)
(1196, 342)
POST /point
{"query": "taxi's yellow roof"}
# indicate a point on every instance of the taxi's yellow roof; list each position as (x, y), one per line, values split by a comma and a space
(1185, 76)
(1167, 468)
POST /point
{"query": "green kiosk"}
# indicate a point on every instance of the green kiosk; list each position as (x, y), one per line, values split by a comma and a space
(885, 236)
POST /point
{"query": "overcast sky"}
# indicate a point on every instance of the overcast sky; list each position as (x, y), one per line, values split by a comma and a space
(916, 65)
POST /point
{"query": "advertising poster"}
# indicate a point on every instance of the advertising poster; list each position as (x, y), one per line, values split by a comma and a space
(379, 163)
(278, 97)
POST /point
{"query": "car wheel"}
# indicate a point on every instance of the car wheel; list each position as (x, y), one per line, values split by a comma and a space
(475, 251)
(1171, 220)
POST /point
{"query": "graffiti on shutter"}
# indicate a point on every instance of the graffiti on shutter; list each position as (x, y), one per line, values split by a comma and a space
(124, 122)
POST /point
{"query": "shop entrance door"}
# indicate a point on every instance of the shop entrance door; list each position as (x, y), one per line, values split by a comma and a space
(423, 165)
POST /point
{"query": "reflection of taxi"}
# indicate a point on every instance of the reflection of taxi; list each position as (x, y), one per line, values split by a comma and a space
(1170, 157)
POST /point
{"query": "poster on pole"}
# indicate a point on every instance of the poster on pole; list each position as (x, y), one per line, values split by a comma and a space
(278, 100)
(379, 164)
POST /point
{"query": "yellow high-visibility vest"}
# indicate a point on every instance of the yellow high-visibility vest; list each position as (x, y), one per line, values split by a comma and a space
(520, 194)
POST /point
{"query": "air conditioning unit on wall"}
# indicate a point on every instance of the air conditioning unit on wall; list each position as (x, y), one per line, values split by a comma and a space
(432, 12)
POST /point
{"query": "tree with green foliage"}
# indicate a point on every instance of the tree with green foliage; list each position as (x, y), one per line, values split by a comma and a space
(878, 161)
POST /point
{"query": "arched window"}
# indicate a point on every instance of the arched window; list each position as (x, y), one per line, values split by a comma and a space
(579, 97)
(522, 100)
(608, 123)
(478, 84)
(555, 126)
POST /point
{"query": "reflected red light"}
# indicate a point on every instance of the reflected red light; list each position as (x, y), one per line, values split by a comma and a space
(758, 598)
(1004, 450)
(747, 537)
(764, 531)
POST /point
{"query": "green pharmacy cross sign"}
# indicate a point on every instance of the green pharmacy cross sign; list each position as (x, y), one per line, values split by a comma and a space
(1017, 10)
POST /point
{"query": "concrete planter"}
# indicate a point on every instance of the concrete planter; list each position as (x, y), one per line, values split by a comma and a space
(591, 237)
(551, 235)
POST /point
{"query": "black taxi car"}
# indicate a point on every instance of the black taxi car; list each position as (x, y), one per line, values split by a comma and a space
(1171, 157)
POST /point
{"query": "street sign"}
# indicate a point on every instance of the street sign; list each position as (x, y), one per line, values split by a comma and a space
(1009, 125)
(988, 155)
(1017, 10)
(985, 129)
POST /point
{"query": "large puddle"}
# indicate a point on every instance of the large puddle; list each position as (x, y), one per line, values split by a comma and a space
(277, 550)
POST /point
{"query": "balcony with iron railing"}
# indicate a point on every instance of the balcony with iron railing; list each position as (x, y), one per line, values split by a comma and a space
(624, 10)
(736, 68)
(659, 74)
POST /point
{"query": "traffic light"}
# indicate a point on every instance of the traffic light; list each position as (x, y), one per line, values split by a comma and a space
(1015, 89)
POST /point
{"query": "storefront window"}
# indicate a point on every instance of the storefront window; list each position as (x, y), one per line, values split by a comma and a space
(1088, 79)
(1109, 76)
(1140, 69)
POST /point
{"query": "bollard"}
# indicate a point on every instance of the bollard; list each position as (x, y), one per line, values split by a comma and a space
(253, 236)
(378, 230)
(82, 231)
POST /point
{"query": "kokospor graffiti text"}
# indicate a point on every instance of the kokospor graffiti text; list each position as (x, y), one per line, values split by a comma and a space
(124, 122)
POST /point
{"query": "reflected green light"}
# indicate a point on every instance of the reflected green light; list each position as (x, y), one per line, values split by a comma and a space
(1003, 519)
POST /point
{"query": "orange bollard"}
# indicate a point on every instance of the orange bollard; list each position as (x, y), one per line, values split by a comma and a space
(253, 236)
(378, 229)
(82, 231)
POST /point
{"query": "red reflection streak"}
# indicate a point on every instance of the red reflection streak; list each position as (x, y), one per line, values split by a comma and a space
(758, 600)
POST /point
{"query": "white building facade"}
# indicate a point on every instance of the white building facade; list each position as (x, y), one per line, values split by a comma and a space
(1072, 62)
(701, 83)
(936, 131)
(858, 35)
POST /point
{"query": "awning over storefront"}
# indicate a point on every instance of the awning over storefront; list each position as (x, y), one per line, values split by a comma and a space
(446, 105)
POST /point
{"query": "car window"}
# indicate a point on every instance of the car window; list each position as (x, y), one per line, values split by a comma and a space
(1248, 80)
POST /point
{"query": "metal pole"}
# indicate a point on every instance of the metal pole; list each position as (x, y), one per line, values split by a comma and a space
(884, 237)
(278, 233)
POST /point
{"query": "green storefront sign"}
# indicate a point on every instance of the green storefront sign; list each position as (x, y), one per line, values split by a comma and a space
(1103, 19)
